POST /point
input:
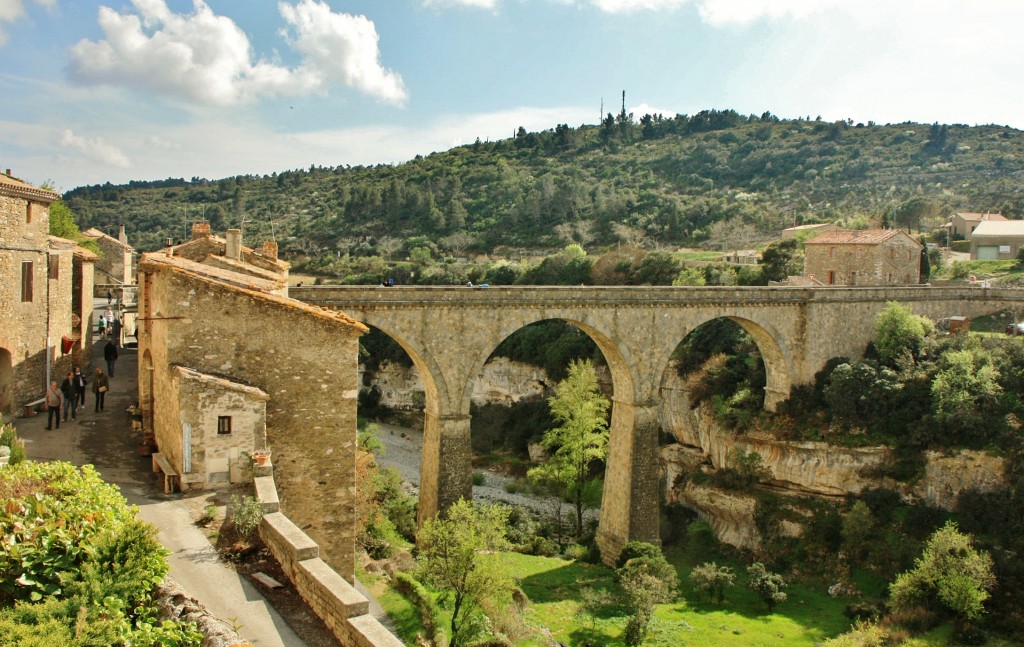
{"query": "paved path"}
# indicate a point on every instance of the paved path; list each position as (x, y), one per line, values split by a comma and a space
(105, 439)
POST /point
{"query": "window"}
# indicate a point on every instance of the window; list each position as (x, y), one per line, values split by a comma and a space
(53, 267)
(853, 277)
(831, 252)
(223, 425)
(28, 213)
(860, 252)
(27, 271)
(831, 277)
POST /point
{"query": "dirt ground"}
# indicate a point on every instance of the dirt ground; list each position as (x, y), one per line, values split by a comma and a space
(209, 512)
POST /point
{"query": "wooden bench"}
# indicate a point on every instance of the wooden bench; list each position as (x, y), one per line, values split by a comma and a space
(32, 408)
(162, 466)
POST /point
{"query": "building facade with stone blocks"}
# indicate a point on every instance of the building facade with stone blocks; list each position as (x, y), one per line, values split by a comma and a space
(869, 257)
(116, 265)
(227, 366)
(40, 277)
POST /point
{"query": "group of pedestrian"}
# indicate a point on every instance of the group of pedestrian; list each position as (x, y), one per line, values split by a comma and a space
(110, 326)
(68, 398)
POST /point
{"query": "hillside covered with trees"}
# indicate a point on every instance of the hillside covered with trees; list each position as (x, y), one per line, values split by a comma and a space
(716, 177)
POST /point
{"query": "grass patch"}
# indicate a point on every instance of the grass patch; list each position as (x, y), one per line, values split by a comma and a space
(403, 613)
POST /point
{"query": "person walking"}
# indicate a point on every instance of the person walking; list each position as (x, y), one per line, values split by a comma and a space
(67, 389)
(54, 401)
(80, 383)
(103, 326)
(115, 331)
(110, 297)
(110, 354)
(100, 386)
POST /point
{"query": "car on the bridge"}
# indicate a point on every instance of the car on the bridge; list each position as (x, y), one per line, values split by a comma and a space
(1015, 329)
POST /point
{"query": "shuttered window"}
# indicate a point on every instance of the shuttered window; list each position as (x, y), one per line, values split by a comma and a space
(27, 273)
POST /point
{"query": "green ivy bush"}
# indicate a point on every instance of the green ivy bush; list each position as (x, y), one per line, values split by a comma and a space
(76, 566)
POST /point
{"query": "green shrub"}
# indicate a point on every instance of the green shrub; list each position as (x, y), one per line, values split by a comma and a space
(9, 438)
(479, 479)
(963, 246)
(247, 513)
(430, 612)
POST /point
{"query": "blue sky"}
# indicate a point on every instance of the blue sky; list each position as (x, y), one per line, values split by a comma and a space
(115, 90)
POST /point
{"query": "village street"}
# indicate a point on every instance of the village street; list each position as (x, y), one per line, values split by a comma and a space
(105, 440)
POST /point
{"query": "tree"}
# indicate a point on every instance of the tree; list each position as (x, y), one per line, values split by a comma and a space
(950, 573)
(914, 212)
(777, 260)
(768, 586)
(64, 224)
(581, 437)
(646, 580)
(711, 579)
(899, 332)
(452, 554)
(689, 276)
(858, 529)
(964, 390)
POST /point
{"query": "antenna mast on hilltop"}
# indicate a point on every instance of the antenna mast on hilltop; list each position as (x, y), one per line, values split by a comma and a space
(623, 102)
(600, 117)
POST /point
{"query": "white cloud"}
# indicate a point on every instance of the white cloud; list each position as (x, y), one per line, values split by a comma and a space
(96, 149)
(12, 10)
(723, 12)
(342, 47)
(207, 58)
(482, 4)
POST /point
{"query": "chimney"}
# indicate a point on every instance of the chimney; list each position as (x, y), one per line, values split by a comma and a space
(121, 236)
(200, 229)
(234, 245)
(270, 249)
(8, 172)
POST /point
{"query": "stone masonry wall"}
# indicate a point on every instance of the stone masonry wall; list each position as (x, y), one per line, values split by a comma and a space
(343, 609)
(218, 458)
(23, 325)
(305, 362)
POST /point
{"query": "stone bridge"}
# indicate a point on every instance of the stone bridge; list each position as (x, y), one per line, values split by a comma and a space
(450, 332)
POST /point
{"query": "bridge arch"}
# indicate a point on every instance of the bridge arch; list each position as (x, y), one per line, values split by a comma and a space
(622, 378)
(777, 359)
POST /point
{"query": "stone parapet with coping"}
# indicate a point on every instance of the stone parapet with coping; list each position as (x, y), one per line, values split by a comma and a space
(333, 599)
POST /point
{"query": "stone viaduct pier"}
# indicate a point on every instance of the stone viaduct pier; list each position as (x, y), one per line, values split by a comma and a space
(450, 332)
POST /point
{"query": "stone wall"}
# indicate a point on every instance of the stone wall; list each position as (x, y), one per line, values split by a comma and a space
(22, 324)
(302, 357)
(217, 458)
(343, 609)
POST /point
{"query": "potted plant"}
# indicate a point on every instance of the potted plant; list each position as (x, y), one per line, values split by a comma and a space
(261, 456)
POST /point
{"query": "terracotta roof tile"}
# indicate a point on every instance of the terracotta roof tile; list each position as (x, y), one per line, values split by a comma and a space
(92, 232)
(206, 378)
(14, 187)
(979, 217)
(227, 280)
(860, 237)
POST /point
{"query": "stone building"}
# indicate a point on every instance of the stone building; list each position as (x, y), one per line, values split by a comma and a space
(116, 267)
(45, 296)
(866, 257)
(962, 225)
(228, 365)
(997, 240)
(229, 253)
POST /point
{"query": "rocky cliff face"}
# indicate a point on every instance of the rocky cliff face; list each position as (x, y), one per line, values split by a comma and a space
(807, 468)
(502, 382)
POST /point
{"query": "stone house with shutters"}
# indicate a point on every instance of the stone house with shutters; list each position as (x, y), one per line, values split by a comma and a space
(227, 365)
(868, 257)
(45, 297)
